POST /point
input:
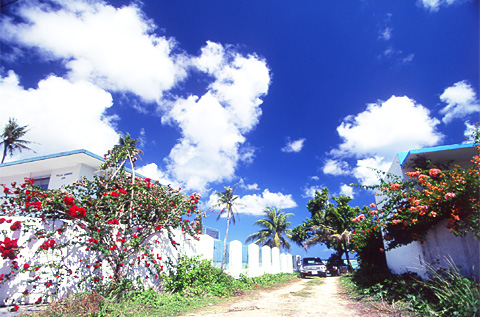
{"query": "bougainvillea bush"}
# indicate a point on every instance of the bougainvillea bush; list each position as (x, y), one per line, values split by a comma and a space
(115, 219)
(409, 208)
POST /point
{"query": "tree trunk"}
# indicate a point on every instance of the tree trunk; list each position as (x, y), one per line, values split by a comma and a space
(225, 241)
(350, 268)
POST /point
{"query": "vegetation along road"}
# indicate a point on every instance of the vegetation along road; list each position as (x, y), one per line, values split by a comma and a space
(302, 297)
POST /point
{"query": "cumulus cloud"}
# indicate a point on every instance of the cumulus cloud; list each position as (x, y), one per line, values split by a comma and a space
(434, 5)
(103, 48)
(461, 101)
(213, 125)
(114, 48)
(336, 167)
(375, 135)
(256, 204)
(293, 146)
(346, 190)
(60, 115)
(382, 129)
(366, 169)
(469, 132)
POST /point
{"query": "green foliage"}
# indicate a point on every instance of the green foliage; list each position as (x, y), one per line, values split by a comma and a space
(197, 277)
(446, 293)
(275, 227)
(329, 224)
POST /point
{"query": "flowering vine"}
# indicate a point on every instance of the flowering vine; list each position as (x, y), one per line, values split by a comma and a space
(112, 217)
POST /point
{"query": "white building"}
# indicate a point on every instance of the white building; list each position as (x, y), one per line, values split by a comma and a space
(52, 171)
(440, 245)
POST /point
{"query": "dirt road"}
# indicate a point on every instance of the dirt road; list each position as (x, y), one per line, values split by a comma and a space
(303, 297)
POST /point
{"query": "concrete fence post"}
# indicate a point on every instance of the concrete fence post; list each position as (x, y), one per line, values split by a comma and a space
(275, 260)
(235, 258)
(266, 259)
(253, 259)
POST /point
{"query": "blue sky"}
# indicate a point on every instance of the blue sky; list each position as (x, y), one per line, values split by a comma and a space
(281, 98)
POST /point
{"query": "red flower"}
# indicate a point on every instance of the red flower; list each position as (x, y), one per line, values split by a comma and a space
(15, 308)
(26, 266)
(16, 226)
(9, 249)
(114, 194)
(6, 190)
(68, 201)
(122, 191)
(39, 301)
(76, 212)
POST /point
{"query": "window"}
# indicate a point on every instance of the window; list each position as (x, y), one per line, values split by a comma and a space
(42, 181)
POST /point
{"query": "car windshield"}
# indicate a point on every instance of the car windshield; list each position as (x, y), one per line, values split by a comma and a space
(309, 261)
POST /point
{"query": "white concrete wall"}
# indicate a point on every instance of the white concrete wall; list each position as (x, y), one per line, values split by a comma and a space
(440, 246)
(76, 259)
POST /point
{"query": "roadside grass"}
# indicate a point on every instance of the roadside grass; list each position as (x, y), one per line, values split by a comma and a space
(446, 293)
(191, 284)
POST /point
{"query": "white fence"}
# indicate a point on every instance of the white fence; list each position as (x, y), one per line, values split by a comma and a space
(76, 259)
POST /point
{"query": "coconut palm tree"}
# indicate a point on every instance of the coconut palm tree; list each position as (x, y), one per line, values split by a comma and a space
(227, 200)
(275, 229)
(12, 134)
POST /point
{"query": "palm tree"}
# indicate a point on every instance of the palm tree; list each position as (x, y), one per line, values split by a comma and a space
(275, 228)
(12, 141)
(228, 200)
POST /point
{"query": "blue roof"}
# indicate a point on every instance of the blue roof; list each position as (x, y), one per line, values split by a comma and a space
(50, 156)
(403, 156)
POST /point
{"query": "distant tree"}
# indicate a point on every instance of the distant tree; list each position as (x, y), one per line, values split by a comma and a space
(227, 200)
(275, 230)
(329, 224)
(11, 138)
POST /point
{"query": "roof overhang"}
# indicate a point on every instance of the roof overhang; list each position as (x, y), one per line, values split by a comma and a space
(50, 162)
(457, 152)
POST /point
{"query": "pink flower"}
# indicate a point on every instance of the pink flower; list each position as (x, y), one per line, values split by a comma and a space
(395, 186)
(434, 172)
(449, 196)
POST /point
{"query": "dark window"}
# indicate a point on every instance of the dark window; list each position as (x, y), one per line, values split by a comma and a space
(42, 182)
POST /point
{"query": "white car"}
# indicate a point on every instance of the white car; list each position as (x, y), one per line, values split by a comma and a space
(312, 267)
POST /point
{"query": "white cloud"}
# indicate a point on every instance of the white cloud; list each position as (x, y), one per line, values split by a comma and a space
(309, 191)
(213, 125)
(346, 190)
(387, 127)
(293, 146)
(461, 101)
(315, 178)
(154, 172)
(60, 115)
(469, 132)
(336, 167)
(434, 5)
(386, 33)
(114, 48)
(256, 204)
(375, 135)
(253, 186)
(366, 169)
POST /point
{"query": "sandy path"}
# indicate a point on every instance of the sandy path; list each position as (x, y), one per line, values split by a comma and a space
(303, 297)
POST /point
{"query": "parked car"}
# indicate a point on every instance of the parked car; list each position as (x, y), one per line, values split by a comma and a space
(312, 267)
(333, 270)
